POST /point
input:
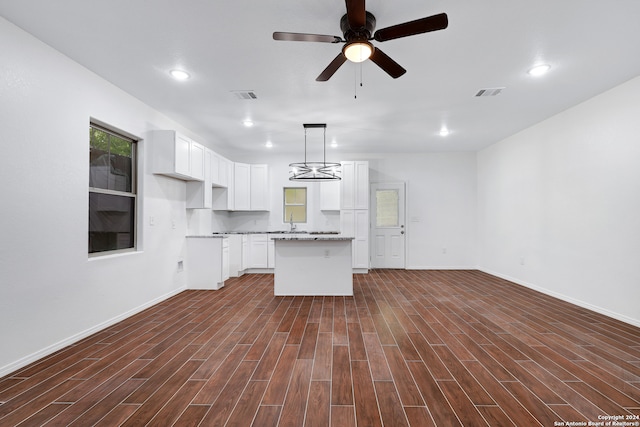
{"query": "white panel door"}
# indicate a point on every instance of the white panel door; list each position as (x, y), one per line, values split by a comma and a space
(387, 225)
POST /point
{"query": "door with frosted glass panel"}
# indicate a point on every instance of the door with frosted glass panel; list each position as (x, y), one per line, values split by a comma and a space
(387, 225)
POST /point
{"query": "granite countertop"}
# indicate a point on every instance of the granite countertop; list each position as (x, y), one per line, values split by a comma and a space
(313, 237)
(208, 236)
(285, 232)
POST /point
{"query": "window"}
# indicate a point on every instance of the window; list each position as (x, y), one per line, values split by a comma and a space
(295, 204)
(387, 208)
(112, 191)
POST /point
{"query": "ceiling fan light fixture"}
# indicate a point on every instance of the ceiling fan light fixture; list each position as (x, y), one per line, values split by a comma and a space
(358, 51)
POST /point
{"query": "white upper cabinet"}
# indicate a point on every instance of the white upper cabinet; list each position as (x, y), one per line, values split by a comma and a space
(199, 194)
(219, 171)
(355, 185)
(330, 195)
(197, 161)
(176, 155)
(242, 186)
(259, 188)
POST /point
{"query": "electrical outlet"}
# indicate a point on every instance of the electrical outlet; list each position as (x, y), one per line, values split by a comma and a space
(152, 221)
(326, 253)
(521, 260)
(444, 250)
(173, 224)
(180, 265)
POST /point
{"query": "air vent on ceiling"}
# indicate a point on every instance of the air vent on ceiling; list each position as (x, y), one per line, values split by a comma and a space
(490, 91)
(245, 94)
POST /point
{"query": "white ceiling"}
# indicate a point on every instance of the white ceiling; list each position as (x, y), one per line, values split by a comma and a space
(227, 45)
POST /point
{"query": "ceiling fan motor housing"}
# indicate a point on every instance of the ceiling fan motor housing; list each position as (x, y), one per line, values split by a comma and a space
(358, 34)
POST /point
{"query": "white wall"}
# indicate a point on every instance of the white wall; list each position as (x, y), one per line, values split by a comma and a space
(559, 205)
(441, 203)
(50, 292)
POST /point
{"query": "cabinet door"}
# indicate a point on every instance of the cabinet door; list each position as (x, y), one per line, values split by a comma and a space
(231, 194)
(245, 253)
(199, 192)
(224, 171)
(259, 188)
(197, 161)
(241, 184)
(215, 169)
(258, 251)
(361, 185)
(271, 252)
(225, 259)
(182, 159)
(361, 242)
(355, 223)
(347, 197)
(330, 196)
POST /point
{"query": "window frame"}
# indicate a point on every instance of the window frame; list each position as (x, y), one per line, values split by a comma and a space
(132, 194)
(285, 204)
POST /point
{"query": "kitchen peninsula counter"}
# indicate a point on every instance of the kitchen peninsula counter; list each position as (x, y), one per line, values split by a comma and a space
(318, 265)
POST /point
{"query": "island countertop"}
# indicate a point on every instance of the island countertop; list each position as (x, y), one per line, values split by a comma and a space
(312, 237)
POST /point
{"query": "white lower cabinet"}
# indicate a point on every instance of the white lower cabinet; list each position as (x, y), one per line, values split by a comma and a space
(271, 252)
(236, 256)
(355, 223)
(225, 259)
(258, 251)
(207, 266)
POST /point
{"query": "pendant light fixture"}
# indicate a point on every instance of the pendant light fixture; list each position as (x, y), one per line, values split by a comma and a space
(315, 171)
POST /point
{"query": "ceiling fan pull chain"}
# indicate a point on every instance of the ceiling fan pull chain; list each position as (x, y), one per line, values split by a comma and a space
(355, 83)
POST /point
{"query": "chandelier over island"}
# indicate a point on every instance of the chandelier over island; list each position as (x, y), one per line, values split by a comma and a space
(315, 171)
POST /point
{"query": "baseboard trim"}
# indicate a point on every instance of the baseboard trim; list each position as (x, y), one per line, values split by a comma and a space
(20, 363)
(435, 267)
(579, 303)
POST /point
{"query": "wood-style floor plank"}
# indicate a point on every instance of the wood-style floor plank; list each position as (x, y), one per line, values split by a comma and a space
(410, 348)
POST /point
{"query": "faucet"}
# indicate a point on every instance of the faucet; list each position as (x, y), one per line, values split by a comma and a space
(293, 226)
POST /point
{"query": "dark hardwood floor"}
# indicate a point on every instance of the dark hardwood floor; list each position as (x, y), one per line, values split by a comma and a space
(415, 348)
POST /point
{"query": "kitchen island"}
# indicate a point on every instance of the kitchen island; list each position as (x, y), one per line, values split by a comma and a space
(313, 265)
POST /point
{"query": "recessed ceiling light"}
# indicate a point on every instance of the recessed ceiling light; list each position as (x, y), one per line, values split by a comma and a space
(539, 70)
(248, 123)
(269, 144)
(334, 144)
(444, 132)
(179, 74)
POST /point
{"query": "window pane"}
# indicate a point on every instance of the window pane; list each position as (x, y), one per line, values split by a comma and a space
(295, 204)
(110, 161)
(300, 196)
(297, 213)
(387, 208)
(111, 222)
(99, 159)
(289, 195)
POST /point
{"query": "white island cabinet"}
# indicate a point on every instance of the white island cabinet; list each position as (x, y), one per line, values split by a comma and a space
(313, 266)
(207, 261)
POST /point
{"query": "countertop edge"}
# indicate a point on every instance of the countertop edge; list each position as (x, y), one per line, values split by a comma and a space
(325, 238)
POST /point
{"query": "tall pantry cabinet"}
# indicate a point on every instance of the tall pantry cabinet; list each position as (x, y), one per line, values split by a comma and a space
(354, 211)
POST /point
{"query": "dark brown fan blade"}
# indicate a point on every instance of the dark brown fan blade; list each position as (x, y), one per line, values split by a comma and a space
(332, 68)
(301, 37)
(356, 14)
(419, 26)
(391, 67)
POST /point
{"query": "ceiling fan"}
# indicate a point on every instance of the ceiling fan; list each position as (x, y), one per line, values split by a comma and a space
(357, 26)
